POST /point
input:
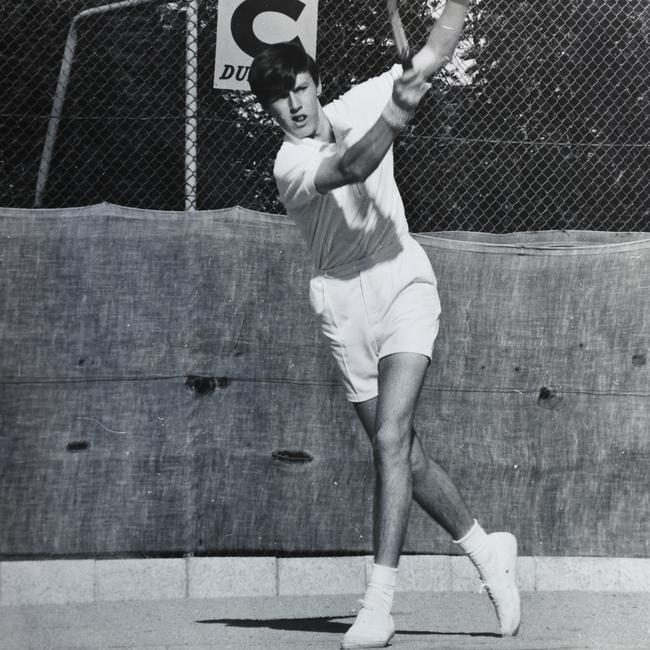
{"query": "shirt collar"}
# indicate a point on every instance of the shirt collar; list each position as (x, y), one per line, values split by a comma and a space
(307, 142)
(341, 127)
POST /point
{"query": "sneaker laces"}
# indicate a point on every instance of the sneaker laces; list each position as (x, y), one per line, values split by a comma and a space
(485, 586)
(483, 568)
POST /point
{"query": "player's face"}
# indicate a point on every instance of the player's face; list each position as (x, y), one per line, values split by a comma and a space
(299, 112)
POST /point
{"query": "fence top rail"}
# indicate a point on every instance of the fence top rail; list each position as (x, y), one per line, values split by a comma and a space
(111, 6)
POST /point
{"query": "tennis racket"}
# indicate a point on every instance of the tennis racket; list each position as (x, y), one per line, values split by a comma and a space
(401, 42)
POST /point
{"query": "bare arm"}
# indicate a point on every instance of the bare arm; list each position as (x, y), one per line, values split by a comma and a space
(443, 38)
(358, 162)
(362, 158)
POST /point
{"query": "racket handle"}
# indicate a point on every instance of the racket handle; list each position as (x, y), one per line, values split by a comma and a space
(406, 59)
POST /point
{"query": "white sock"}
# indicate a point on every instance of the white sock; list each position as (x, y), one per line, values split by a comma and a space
(473, 539)
(381, 587)
(474, 544)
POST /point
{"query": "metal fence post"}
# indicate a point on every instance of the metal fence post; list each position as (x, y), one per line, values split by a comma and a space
(191, 104)
(62, 86)
(55, 114)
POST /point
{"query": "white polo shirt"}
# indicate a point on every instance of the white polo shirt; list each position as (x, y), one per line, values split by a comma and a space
(354, 221)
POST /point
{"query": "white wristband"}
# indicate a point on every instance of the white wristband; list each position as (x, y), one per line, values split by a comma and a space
(397, 118)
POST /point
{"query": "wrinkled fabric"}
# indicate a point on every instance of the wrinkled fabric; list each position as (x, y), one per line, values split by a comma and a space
(164, 389)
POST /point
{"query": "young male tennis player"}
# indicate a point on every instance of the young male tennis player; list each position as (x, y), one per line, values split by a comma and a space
(374, 293)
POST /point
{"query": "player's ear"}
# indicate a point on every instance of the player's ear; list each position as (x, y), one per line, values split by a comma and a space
(319, 89)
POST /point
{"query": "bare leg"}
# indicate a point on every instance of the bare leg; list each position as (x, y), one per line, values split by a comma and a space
(400, 381)
(404, 472)
(433, 490)
(437, 495)
(493, 555)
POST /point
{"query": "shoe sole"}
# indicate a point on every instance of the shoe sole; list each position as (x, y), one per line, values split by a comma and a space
(359, 646)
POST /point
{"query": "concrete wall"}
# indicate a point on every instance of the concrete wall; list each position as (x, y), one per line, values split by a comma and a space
(88, 580)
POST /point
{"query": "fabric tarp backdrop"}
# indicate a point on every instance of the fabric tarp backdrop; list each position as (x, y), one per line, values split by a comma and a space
(537, 401)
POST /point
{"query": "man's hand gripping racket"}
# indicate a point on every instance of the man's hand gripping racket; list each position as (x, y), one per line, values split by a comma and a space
(407, 91)
(442, 41)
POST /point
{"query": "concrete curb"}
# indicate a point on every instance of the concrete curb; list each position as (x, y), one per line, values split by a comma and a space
(83, 581)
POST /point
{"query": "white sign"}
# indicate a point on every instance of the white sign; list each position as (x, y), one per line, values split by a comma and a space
(245, 27)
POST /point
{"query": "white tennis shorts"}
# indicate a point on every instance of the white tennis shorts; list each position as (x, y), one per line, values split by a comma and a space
(379, 306)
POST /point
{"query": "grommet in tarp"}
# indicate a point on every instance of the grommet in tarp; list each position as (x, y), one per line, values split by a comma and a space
(77, 445)
(292, 456)
(202, 385)
(548, 399)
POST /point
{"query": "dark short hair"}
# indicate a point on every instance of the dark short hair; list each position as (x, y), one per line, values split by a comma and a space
(274, 70)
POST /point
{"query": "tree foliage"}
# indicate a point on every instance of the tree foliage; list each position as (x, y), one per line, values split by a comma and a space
(545, 125)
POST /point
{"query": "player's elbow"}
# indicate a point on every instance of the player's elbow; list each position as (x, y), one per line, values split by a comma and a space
(444, 53)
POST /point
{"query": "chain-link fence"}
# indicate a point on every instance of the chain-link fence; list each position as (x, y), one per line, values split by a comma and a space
(540, 122)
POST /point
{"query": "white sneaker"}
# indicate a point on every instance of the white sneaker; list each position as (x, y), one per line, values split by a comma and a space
(371, 629)
(498, 574)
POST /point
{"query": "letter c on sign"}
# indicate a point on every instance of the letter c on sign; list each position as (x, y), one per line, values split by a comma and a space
(243, 17)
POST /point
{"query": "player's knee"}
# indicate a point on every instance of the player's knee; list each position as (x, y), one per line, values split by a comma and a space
(392, 443)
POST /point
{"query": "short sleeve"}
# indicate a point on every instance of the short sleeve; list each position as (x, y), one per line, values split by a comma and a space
(295, 173)
(362, 105)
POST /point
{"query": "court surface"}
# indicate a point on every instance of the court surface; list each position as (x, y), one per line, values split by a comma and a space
(552, 620)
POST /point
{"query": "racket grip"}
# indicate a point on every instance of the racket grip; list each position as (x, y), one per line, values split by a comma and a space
(406, 59)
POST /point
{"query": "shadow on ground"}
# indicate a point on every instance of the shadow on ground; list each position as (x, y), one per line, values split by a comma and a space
(326, 624)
